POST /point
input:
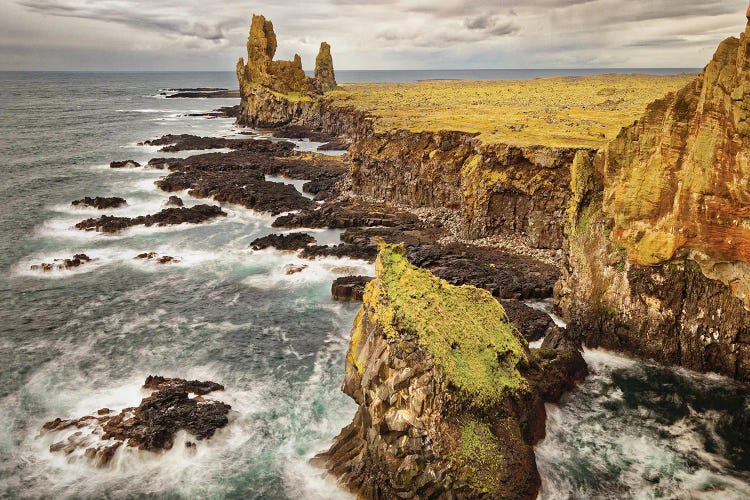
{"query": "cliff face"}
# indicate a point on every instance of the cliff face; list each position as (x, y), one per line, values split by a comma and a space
(498, 189)
(660, 227)
(450, 397)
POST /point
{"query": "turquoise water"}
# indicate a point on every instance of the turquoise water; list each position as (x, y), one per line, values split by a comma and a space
(73, 342)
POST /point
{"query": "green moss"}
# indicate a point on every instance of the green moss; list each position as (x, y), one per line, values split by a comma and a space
(486, 457)
(464, 328)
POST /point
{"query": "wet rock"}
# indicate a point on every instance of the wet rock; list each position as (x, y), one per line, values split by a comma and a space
(150, 426)
(291, 241)
(203, 94)
(223, 112)
(100, 202)
(62, 264)
(168, 216)
(291, 269)
(301, 132)
(239, 177)
(350, 288)
(124, 164)
(201, 388)
(175, 201)
(532, 323)
(161, 259)
(162, 163)
(563, 339)
(186, 142)
(342, 250)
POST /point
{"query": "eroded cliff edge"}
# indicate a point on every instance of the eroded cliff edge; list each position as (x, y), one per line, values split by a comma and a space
(659, 228)
(451, 399)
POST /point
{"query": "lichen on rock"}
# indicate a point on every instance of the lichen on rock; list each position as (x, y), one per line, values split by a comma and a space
(659, 227)
(450, 397)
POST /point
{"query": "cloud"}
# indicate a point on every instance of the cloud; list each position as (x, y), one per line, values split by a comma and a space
(374, 34)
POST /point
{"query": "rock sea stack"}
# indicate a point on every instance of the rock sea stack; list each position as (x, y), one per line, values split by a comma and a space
(283, 77)
(450, 397)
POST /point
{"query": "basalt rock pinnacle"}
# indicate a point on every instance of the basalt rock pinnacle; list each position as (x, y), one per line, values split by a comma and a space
(283, 77)
(450, 397)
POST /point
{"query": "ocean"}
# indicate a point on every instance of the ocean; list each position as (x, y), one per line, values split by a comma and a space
(76, 341)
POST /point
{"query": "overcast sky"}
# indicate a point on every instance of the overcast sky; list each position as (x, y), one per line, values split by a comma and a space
(375, 34)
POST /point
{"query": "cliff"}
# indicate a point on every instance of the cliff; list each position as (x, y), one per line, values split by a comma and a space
(494, 189)
(450, 397)
(659, 233)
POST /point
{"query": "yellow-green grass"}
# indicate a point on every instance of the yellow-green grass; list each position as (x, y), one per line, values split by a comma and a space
(559, 111)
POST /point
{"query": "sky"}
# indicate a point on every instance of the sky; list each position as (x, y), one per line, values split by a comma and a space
(141, 35)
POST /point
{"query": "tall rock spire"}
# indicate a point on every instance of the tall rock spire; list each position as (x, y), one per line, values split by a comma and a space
(325, 78)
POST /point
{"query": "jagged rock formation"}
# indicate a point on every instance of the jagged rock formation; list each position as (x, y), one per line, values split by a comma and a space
(450, 397)
(283, 77)
(150, 426)
(660, 227)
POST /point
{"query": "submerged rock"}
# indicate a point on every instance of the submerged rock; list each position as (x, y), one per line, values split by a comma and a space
(124, 164)
(100, 202)
(291, 241)
(62, 264)
(150, 426)
(161, 259)
(168, 216)
(449, 402)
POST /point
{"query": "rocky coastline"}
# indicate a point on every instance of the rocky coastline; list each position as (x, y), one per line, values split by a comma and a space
(461, 232)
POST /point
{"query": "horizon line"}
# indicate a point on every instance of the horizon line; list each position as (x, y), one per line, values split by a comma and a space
(346, 70)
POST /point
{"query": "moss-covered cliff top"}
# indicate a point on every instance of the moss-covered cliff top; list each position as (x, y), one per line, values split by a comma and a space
(559, 111)
(463, 328)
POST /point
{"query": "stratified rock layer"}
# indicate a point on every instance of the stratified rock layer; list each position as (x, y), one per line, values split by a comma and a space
(660, 228)
(450, 397)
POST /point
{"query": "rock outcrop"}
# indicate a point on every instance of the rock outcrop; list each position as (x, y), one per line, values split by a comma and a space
(150, 426)
(78, 260)
(450, 397)
(100, 203)
(659, 232)
(325, 77)
(282, 77)
(167, 217)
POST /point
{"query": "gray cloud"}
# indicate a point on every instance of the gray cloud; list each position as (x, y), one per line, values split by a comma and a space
(374, 34)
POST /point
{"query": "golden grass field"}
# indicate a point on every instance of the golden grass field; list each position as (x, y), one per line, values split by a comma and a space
(558, 111)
